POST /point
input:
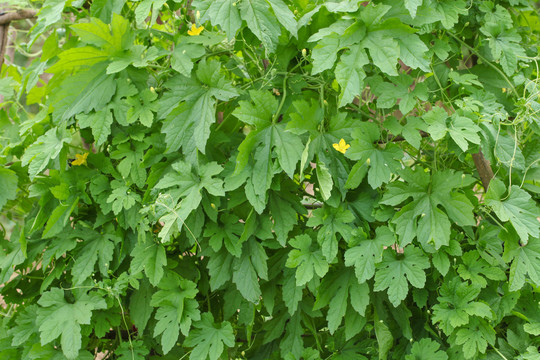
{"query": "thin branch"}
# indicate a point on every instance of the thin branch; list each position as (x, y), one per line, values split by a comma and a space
(5, 19)
(399, 138)
(4, 28)
(21, 14)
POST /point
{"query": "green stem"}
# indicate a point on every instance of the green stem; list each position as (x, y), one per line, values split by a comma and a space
(126, 325)
(321, 100)
(276, 115)
(315, 335)
(498, 352)
(78, 148)
(484, 60)
(443, 94)
(520, 315)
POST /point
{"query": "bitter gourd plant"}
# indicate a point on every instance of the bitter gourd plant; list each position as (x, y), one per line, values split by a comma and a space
(272, 179)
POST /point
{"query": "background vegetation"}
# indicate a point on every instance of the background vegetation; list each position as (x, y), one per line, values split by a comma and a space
(271, 179)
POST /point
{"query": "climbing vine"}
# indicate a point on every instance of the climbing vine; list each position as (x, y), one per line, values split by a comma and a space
(270, 179)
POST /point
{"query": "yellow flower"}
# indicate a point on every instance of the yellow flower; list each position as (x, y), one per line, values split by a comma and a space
(194, 31)
(342, 146)
(80, 159)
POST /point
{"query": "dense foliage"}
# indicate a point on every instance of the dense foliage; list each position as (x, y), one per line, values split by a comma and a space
(272, 179)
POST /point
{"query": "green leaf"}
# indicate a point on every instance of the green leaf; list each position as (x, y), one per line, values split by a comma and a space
(350, 74)
(292, 341)
(384, 51)
(524, 258)
(144, 7)
(259, 112)
(385, 340)
(411, 131)
(505, 47)
(198, 111)
(188, 186)
(183, 56)
(367, 253)
(332, 221)
(388, 94)
(50, 13)
(456, 304)
(436, 120)
(204, 107)
(288, 148)
(151, 258)
(428, 193)
(449, 11)
(396, 269)
(220, 267)
(46, 148)
(226, 233)
(324, 54)
(26, 325)
(138, 55)
(335, 291)
(209, 338)
(413, 51)
(475, 337)
(508, 152)
(411, 6)
(292, 293)
(354, 324)
(176, 309)
(372, 14)
(139, 305)
(248, 269)
(79, 58)
(106, 9)
(324, 179)
(56, 317)
(130, 156)
(284, 216)
(142, 108)
(97, 33)
(357, 174)
(100, 122)
(8, 184)
(426, 349)
(463, 130)
(221, 12)
(383, 162)
(89, 90)
(122, 198)
(97, 248)
(7, 87)
(517, 207)
(473, 267)
(261, 22)
(134, 351)
(285, 16)
(306, 260)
